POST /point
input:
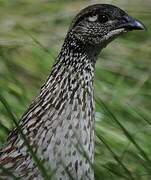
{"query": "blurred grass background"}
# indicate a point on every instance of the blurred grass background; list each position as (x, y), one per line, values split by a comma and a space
(31, 35)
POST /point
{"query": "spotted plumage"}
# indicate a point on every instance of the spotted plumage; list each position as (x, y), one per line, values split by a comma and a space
(59, 124)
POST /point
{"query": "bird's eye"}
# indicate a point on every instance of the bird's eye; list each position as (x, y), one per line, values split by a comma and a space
(103, 18)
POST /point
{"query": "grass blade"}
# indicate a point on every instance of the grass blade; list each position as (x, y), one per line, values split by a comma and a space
(116, 157)
(9, 173)
(127, 134)
(33, 155)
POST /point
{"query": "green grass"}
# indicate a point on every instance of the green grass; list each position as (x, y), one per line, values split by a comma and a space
(31, 35)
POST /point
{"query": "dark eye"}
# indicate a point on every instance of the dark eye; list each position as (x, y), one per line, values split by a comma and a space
(103, 18)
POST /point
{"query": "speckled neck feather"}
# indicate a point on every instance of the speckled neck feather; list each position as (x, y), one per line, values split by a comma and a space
(60, 122)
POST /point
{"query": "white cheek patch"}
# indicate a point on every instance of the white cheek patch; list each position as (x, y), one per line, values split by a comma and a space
(93, 18)
(115, 32)
(111, 35)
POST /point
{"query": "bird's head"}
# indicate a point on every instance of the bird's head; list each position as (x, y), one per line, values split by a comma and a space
(101, 23)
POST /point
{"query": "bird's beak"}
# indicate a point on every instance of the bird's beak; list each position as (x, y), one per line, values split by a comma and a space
(137, 25)
(129, 24)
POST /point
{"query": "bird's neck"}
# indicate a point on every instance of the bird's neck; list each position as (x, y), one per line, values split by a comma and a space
(70, 87)
(78, 47)
(75, 61)
(68, 103)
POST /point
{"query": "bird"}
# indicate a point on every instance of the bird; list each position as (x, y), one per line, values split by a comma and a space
(59, 125)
